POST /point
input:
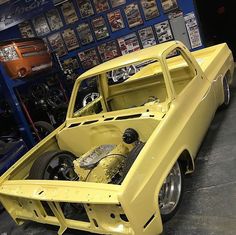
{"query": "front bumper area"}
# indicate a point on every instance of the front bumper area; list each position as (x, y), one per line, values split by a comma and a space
(44, 201)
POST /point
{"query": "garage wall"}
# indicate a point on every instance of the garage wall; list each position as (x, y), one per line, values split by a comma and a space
(92, 57)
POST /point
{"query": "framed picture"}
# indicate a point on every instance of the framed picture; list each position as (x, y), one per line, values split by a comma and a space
(193, 30)
(84, 33)
(70, 39)
(147, 37)
(116, 20)
(89, 58)
(69, 12)
(108, 51)
(163, 31)
(101, 5)
(128, 43)
(169, 5)
(57, 44)
(116, 3)
(85, 8)
(100, 28)
(54, 19)
(58, 2)
(71, 63)
(133, 15)
(150, 9)
(40, 25)
(26, 30)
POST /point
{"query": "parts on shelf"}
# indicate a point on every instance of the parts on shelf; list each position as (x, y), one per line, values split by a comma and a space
(28, 109)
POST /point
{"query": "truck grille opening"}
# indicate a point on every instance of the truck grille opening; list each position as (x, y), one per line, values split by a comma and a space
(34, 53)
(75, 211)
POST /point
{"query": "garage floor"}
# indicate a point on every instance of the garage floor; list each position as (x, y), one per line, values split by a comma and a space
(209, 202)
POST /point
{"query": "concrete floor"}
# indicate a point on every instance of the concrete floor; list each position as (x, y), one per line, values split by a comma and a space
(209, 202)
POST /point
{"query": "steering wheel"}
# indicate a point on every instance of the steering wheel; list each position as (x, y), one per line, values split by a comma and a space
(124, 73)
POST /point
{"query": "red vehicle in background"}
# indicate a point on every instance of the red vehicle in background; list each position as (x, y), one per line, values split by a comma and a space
(24, 57)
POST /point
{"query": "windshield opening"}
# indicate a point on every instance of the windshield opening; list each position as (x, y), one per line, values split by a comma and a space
(131, 86)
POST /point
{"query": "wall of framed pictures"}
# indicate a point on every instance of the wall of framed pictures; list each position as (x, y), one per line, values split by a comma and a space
(95, 31)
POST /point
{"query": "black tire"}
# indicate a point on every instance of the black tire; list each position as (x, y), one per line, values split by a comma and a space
(39, 167)
(43, 129)
(167, 216)
(1, 208)
(227, 93)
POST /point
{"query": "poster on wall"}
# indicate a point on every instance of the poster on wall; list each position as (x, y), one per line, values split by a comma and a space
(128, 43)
(40, 25)
(70, 39)
(26, 30)
(58, 2)
(133, 15)
(115, 20)
(101, 5)
(3, 1)
(85, 8)
(16, 11)
(163, 31)
(69, 13)
(89, 58)
(54, 19)
(150, 9)
(108, 50)
(57, 44)
(169, 5)
(193, 30)
(84, 33)
(100, 28)
(147, 37)
(71, 63)
(116, 3)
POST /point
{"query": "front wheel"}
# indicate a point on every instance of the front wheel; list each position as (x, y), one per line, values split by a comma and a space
(171, 192)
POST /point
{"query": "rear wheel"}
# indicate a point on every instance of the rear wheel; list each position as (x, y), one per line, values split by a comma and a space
(170, 195)
(227, 94)
(1, 208)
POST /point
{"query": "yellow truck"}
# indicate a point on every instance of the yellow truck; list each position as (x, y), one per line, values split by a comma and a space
(117, 165)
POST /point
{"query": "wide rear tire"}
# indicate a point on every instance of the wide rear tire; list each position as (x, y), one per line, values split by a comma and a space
(227, 93)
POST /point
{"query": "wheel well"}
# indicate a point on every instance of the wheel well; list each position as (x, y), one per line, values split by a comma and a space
(228, 76)
(186, 161)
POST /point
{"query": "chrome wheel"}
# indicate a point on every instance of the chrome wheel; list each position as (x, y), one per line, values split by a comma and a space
(89, 98)
(170, 193)
(226, 91)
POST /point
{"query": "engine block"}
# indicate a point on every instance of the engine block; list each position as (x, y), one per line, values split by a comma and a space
(102, 163)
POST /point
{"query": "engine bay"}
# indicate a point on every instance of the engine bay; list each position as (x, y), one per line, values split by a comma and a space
(108, 163)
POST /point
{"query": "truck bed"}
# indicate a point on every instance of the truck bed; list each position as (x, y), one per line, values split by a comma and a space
(212, 57)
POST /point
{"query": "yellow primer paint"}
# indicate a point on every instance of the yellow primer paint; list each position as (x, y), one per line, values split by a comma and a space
(169, 103)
